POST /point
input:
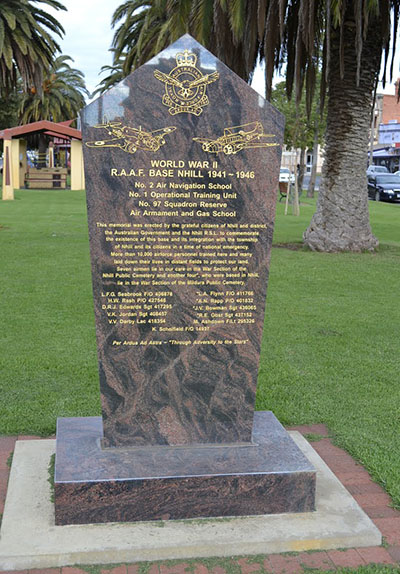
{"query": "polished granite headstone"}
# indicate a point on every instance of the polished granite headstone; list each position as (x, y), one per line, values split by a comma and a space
(181, 165)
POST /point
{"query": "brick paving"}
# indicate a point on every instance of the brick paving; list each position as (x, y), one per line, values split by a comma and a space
(369, 495)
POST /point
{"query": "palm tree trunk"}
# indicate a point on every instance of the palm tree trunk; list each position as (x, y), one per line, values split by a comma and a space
(313, 176)
(341, 221)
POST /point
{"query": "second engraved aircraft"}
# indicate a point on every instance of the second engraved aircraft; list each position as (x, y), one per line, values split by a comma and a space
(131, 139)
(237, 138)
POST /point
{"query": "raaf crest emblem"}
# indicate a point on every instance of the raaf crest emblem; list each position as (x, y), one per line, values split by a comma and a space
(185, 85)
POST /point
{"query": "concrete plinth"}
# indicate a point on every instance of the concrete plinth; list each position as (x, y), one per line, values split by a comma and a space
(30, 539)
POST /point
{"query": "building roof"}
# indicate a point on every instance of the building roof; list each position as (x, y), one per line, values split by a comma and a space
(44, 126)
(386, 152)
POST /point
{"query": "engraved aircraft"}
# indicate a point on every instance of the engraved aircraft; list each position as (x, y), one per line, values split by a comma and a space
(131, 139)
(237, 138)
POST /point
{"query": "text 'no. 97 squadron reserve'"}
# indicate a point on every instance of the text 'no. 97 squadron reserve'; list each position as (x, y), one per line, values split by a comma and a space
(214, 197)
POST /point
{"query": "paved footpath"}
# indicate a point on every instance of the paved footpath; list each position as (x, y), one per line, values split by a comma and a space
(369, 495)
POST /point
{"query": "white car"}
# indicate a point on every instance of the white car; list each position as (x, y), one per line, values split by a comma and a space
(374, 169)
(286, 176)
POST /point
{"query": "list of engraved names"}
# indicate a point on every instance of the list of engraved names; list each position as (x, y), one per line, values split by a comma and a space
(200, 243)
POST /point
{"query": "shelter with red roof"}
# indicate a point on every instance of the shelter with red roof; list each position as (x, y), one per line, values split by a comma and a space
(16, 171)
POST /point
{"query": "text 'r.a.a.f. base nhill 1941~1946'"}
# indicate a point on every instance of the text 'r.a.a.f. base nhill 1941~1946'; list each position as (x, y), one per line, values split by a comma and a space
(181, 165)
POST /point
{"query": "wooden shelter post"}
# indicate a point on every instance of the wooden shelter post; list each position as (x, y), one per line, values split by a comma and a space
(15, 153)
(23, 164)
(51, 154)
(77, 175)
(8, 188)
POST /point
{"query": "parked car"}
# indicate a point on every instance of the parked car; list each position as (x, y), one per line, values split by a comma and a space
(285, 175)
(384, 186)
(377, 169)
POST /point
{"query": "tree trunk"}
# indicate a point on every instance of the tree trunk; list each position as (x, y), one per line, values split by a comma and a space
(341, 221)
(301, 170)
(313, 176)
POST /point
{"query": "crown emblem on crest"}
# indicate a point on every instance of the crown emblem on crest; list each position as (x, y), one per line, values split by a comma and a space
(186, 58)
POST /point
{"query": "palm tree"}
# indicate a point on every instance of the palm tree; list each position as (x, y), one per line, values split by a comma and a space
(353, 33)
(115, 74)
(9, 107)
(356, 43)
(145, 27)
(61, 97)
(27, 46)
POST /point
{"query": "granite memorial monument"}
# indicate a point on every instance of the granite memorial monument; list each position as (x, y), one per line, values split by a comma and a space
(181, 166)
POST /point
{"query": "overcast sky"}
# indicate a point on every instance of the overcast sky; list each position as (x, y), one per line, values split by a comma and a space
(88, 37)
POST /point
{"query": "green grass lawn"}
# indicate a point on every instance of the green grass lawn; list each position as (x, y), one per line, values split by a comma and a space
(48, 349)
(330, 346)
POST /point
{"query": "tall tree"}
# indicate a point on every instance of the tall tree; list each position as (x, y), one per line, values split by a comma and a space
(356, 42)
(115, 74)
(228, 29)
(302, 130)
(354, 34)
(299, 133)
(9, 107)
(27, 46)
(61, 97)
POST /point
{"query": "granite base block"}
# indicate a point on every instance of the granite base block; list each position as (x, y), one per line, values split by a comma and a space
(30, 539)
(95, 484)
